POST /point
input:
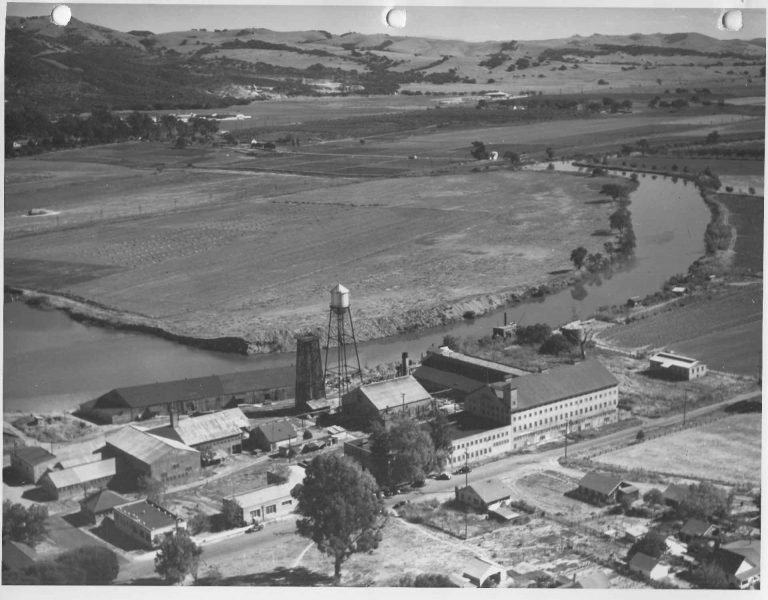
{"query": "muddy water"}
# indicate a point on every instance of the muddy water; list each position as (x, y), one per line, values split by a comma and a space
(51, 362)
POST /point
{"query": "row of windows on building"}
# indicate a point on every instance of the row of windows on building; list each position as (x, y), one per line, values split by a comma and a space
(562, 405)
(488, 438)
(553, 420)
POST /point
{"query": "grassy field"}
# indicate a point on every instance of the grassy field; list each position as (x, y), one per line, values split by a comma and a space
(720, 166)
(746, 213)
(723, 330)
(727, 450)
(249, 265)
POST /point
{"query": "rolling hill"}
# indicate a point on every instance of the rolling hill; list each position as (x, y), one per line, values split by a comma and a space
(57, 70)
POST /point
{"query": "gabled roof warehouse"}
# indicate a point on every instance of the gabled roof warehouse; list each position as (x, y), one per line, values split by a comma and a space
(560, 383)
(152, 394)
(143, 445)
(394, 392)
(82, 473)
(206, 428)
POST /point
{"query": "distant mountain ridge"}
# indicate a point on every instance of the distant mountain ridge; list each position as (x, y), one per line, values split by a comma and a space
(69, 69)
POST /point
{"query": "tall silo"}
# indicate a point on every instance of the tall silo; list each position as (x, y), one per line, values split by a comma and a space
(341, 333)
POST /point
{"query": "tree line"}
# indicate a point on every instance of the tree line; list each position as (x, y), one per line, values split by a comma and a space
(38, 133)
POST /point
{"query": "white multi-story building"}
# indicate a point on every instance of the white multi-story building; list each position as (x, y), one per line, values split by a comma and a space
(537, 408)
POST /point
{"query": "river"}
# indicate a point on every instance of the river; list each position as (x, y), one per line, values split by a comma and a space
(53, 363)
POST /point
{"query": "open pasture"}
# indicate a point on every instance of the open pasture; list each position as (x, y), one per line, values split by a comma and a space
(726, 450)
(725, 331)
(253, 265)
(746, 213)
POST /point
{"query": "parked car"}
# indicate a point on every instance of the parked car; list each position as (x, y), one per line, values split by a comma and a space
(464, 469)
(253, 528)
(418, 483)
(400, 504)
(444, 476)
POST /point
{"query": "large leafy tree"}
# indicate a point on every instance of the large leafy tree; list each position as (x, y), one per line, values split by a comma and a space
(703, 500)
(95, 565)
(652, 543)
(614, 190)
(401, 452)
(620, 219)
(22, 524)
(340, 508)
(578, 256)
(177, 557)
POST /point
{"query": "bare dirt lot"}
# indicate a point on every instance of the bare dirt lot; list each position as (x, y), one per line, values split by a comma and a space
(727, 450)
(255, 265)
(725, 331)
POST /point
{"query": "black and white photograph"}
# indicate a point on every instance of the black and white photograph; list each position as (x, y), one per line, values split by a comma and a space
(338, 296)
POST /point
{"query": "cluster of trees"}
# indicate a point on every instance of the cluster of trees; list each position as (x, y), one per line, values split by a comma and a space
(403, 452)
(22, 524)
(178, 556)
(87, 565)
(99, 127)
(541, 335)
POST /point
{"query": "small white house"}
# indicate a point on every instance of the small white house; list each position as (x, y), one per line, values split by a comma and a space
(648, 566)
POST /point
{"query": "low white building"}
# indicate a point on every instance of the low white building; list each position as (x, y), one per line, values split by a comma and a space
(676, 366)
(270, 502)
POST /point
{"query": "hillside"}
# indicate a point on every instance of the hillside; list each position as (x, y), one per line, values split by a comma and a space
(56, 70)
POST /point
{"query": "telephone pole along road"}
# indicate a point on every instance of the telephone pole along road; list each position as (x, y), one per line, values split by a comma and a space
(218, 552)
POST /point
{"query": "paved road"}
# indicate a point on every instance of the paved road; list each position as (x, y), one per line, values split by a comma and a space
(519, 464)
(238, 546)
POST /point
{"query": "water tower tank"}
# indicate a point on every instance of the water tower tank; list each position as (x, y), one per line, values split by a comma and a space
(339, 297)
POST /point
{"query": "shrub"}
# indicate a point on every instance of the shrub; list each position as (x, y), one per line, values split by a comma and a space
(555, 345)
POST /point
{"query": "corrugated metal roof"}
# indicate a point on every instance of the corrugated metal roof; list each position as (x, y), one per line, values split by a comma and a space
(475, 367)
(600, 482)
(82, 473)
(246, 381)
(562, 382)
(389, 393)
(270, 493)
(33, 455)
(141, 396)
(206, 428)
(198, 388)
(143, 445)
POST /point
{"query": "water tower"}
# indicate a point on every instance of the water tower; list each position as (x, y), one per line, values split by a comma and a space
(341, 332)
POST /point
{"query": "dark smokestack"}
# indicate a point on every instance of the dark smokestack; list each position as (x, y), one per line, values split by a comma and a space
(171, 414)
(309, 370)
(405, 364)
(505, 318)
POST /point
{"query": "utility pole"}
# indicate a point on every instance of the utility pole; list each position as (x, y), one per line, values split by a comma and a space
(466, 484)
(685, 404)
(567, 426)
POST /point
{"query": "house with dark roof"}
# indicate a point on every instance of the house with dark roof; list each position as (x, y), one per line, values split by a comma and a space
(602, 488)
(674, 494)
(31, 462)
(540, 407)
(100, 504)
(696, 529)
(220, 432)
(274, 435)
(139, 453)
(649, 567)
(483, 495)
(741, 562)
(402, 395)
(146, 522)
(79, 480)
(18, 556)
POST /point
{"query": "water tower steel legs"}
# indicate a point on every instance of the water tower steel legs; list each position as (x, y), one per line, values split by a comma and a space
(337, 331)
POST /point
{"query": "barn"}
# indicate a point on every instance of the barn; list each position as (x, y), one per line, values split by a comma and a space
(75, 481)
(220, 433)
(141, 454)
